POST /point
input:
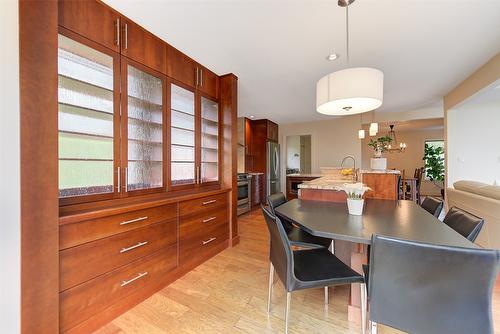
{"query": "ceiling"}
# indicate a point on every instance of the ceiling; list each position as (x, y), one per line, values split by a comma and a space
(278, 48)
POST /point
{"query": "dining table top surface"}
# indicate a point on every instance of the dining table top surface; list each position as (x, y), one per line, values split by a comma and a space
(398, 219)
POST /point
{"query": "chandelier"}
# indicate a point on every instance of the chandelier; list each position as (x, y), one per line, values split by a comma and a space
(349, 91)
(393, 146)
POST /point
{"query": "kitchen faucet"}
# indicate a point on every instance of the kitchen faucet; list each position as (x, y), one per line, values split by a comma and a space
(355, 172)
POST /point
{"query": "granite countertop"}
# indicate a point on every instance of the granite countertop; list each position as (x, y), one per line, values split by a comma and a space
(304, 175)
(325, 182)
(379, 171)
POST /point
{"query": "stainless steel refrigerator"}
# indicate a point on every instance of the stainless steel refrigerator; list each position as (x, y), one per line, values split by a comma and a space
(273, 168)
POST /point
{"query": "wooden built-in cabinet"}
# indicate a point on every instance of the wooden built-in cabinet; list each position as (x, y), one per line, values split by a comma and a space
(145, 189)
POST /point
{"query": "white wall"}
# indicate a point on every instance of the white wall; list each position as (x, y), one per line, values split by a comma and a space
(474, 142)
(330, 141)
(9, 169)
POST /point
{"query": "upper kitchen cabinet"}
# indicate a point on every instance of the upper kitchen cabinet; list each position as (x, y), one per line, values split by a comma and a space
(181, 67)
(208, 81)
(272, 131)
(142, 46)
(92, 19)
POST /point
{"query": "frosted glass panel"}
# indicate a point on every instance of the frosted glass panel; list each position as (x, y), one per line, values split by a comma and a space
(209, 140)
(182, 173)
(85, 96)
(182, 137)
(182, 153)
(182, 120)
(209, 172)
(144, 174)
(182, 99)
(145, 136)
(209, 155)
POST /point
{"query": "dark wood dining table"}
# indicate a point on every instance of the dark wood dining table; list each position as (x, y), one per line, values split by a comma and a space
(398, 219)
(401, 219)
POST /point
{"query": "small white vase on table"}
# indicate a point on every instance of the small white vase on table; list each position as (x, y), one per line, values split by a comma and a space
(355, 201)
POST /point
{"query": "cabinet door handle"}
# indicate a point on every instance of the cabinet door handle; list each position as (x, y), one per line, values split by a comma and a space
(140, 244)
(197, 75)
(209, 219)
(209, 240)
(134, 220)
(197, 175)
(118, 183)
(126, 179)
(209, 202)
(201, 77)
(140, 275)
(126, 36)
(117, 37)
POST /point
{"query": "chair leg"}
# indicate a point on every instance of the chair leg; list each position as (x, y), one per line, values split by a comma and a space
(363, 307)
(270, 289)
(373, 326)
(327, 297)
(287, 311)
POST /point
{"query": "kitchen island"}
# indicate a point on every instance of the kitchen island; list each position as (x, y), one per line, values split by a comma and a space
(328, 188)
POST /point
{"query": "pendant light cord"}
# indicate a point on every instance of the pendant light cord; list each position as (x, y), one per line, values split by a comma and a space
(347, 30)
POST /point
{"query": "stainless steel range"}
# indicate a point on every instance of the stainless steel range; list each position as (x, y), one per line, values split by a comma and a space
(244, 193)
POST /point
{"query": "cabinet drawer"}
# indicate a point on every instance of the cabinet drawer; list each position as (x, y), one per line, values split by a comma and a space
(196, 241)
(81, 263)
(203, 204)
(89, 230)
(81, 302)
(201, 221)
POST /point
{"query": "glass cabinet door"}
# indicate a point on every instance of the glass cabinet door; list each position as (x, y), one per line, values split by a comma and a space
(87, 106)
(144, 112)
(182, 131)
(209, 140)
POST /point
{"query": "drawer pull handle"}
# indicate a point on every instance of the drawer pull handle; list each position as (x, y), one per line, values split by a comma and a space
(140, 275)
(140, 244)
(209, 241)
(134, 220)
(209, 202)
(209, 219)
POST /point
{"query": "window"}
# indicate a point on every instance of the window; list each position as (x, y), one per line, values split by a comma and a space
(439, 167)
(182, 136)
(86, 113)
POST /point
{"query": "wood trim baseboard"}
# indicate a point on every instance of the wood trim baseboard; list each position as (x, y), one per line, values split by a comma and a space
(39, 166)
(235, 241)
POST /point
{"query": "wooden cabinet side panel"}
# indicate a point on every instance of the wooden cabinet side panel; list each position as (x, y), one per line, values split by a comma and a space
(384, 186)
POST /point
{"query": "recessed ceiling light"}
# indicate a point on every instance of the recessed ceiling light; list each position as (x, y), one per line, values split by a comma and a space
(333, 56)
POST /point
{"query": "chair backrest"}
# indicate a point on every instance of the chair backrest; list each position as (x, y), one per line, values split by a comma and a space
(463, 222)
(432, 205)
(280, 252)
(275, 200)
(432, 289)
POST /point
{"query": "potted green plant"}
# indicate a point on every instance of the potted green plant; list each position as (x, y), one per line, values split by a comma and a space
(434, 164)
(379, 146)
(355, 201)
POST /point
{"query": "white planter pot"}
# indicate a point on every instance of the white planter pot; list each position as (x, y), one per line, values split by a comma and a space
(355, 206)
(378, 163)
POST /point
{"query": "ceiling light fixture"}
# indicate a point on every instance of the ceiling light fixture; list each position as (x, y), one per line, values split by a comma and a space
(397, 147)
(350, 91)
(332, 57)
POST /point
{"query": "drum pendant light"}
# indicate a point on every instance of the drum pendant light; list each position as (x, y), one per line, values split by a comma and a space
(349, 91)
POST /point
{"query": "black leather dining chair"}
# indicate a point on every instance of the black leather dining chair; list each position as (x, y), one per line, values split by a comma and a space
(305, 269)
(432, 205)
(431, 289)
(296, 235)
(463, 222)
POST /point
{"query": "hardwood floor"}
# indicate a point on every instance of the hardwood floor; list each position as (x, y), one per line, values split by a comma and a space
(228, 293)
